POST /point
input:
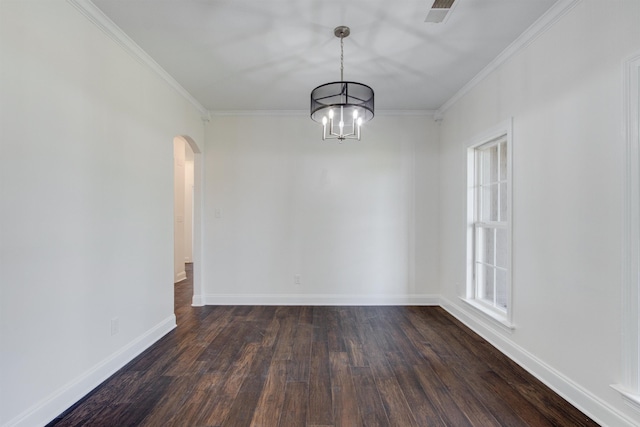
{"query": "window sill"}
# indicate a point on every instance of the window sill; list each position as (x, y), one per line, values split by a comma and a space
(491, 315)
(630, 398)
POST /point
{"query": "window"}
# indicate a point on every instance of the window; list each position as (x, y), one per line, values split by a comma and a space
(489, 225)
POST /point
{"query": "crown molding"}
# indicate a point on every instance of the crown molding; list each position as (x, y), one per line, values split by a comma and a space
(425, 113)
(107, 26)
(544, 23)
(102, 21)
(245, 113)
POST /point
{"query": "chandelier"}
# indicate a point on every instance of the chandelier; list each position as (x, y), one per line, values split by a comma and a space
(342, 107)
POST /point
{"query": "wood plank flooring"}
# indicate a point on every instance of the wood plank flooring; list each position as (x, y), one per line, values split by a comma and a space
(320, 366)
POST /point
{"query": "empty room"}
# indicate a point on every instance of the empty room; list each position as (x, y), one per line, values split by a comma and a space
(320, 213)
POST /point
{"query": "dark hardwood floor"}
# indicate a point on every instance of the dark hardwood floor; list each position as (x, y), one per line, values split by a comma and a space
(320, 366)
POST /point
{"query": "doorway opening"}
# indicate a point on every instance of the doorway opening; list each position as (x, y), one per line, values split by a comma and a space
(187, 165)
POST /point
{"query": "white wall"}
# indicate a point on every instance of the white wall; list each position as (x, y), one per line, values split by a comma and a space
(86, 206)
(342, 216)
(564, 92)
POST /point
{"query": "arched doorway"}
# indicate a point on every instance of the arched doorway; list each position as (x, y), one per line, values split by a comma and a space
(187, 211)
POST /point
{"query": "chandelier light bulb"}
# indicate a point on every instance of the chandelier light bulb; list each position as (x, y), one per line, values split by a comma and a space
(324, 121)
(331, 114)
(355, 114)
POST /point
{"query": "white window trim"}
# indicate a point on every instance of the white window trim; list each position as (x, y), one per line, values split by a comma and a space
(503, 129)
(630, 388)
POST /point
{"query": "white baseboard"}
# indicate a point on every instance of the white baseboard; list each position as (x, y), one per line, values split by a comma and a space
(592, 406)
(320, 299)
(180, 276)
(197, 301)
(59, 401)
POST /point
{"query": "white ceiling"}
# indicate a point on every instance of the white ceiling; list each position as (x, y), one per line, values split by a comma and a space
(270, 54)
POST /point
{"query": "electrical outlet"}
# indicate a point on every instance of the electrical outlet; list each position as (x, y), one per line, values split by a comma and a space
(115, 326)
(296, 279)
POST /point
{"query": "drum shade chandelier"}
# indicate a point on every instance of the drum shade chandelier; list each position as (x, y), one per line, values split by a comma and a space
(342, 107)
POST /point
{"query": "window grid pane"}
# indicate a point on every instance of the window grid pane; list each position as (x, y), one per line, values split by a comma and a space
(491, 232)
(503, 201)
(501, 248)
(501, 289)
(488, 288)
